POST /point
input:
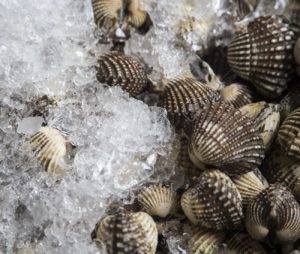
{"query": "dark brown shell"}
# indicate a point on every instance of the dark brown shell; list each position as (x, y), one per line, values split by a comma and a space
(127, 233)
(264, 54)
(236, 95)
(224, 138)
(289, 134)
(274, 211)
(214, 202)
(118, 69)
(242, 243)
(182, 97)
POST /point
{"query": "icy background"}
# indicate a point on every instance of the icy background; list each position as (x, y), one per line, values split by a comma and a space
(47, 48)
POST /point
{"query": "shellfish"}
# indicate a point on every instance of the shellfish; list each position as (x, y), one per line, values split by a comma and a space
(274, 211)
(222, 137)
(243, 243)
(236, 95)
(116, 68)
(158, 199)
(182, 97)
(127, 233)
(266, 118)
(49, 147)
(263, 54)
(214, 202)
(289, 134)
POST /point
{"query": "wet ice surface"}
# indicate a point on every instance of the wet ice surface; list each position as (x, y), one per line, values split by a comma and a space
(118, 142)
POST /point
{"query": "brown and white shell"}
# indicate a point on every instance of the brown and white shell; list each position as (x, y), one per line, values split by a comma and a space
(118, 69)
(214, 202)
(110, 14)
(289, 134)
(250, 185)
(206, 241)
(274, 211)
(49, 147)
(222, 137)
(184, 96)
(127, 233)
(242, 243)
(236, 95)
(297, 55)
(263, 54)
(266, 117)
(158, 199)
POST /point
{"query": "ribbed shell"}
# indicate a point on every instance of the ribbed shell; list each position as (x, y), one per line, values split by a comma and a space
(274, 211)
(289, 134)
(266, 118)
(158, 199)
(49, 147)
(184, 96)
(109, 13)
(214, 202)
(128, 233)
(236, 95)
(250, 185)
(206, 241)
(116, 68)
(242, 243)
(264, 54)
(224, 138)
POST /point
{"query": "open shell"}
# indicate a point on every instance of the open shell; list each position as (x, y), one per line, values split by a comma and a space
(289, 134)
(214, 202)
(118, 69)
(264, 54)
(236, 95)
(182, 97)
(274, 211)
(158, 199)
(49, 147)
(224, 138)
(242, 243)
(127, 233)
(266, 118)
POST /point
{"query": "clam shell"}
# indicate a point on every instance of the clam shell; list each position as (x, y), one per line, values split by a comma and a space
(158, 199)
(274, 211)
(236, 95)
(242, 243)
(128, 233)
(206, 241)
(49, 147)
(184, 96)
(266, 118)
(289, 134)
(250, 185)
(222, 137)
(118, 69)
(214, 202)
(264, 54)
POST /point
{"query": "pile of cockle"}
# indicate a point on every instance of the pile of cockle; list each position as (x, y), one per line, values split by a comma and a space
(238, 119)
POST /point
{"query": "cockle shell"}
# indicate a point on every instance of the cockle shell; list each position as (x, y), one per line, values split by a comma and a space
(264, 54)
(158, 199)
(266, 118)
(274, 211)
(182, 97)
(250, 185)
(206, 241)
(127, 233)
(236, 95)
(222, 137)
(116, 68)
(49, 147)
(242, 243)
(289, 134)
(110, 14)
(214, 202)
